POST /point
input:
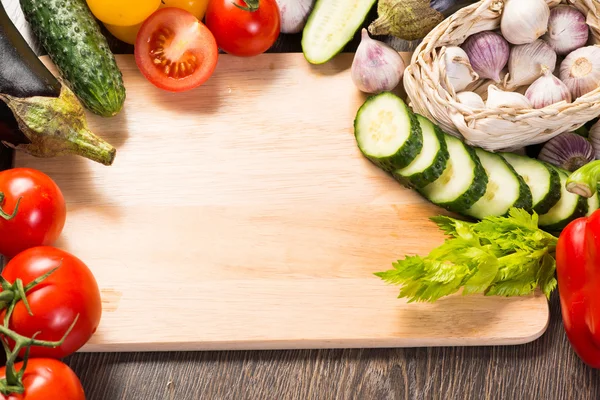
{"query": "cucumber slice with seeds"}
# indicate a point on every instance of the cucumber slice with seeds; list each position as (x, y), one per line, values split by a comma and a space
(431, 161)
(387, 132)
(569, 207)
(330, 26)
(463, 181)
(542, 179)
(505, 188)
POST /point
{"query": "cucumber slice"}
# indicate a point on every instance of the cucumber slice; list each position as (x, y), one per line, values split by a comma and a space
(569, 207)
(431, 161)
(387, 132)
(505, 188)
(593, 204)
(463, 181)
(542, 179)
(330, 26)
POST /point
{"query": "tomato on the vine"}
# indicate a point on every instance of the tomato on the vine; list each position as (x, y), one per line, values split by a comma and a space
(175, 51)
(69, 291)
(41, 213)
(45, 379)
(244, 27)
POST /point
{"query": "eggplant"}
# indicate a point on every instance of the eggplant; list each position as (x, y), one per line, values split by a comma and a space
(412, 19)
(38, 113)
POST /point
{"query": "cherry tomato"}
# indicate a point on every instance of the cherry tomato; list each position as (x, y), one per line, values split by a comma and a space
(175, 51)
(126, 34)
(196, 7)
(41, 214)
(55, 302)
(244, 28)
(123, 13)
(46, 379)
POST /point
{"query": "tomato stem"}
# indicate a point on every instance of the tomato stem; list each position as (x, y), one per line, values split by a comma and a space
(3, 213)
(251, 5)
(13, 383)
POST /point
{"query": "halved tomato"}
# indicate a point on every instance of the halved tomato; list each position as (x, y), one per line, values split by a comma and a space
(175, 51)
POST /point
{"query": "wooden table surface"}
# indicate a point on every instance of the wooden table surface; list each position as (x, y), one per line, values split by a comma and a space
(544, 369)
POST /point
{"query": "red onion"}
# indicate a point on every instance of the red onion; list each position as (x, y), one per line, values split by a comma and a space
(567, 30)
(488, 53)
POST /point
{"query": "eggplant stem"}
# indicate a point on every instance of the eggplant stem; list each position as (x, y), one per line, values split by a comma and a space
(584, 181)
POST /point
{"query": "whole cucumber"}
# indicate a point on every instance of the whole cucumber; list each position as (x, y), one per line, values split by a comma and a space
(72, 38)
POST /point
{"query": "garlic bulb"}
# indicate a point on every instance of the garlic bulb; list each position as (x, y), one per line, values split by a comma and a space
(525, 62)
(524, 21)
(547, 90)
(376, 67)
(499, 99)
(594, 138)
(567, 30)
(458, 68)
(568, 151)
(580, 70)
(488, 53)
(470, 99)
(293, 14)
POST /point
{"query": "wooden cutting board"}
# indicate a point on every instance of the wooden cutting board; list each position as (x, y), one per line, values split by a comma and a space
(241, 215)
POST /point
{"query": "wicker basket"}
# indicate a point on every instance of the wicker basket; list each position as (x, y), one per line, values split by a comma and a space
(491, 129)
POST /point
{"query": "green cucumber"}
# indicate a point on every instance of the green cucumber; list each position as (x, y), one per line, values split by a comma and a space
(463, 181)
(431, 161)
(569, 207)
(505, 189)
(72, 38)
(330, 26)
(387, 132)
(543, 180)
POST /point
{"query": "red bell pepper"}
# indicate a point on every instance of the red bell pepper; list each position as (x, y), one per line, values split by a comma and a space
(578, 275)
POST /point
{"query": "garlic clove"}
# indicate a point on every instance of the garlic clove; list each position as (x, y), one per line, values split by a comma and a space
(470, 99)
(547, 90)
(455, 62)
(294, 14)
(500, 99)
(580, 71)
(524, 21)
(525, 62)
(376, 67)
(567, 30)
(488, 53)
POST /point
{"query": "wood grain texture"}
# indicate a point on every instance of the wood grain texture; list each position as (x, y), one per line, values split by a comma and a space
(242, 216)
(544, 369)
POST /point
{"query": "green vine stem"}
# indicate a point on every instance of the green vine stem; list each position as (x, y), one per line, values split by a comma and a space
(251, 5)
(6, 215)
(13, 382)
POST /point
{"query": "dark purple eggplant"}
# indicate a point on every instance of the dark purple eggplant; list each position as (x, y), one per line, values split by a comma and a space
(412, 19)
(38, 114)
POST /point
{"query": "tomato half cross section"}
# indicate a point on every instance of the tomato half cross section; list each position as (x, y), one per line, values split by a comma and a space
(175, 51)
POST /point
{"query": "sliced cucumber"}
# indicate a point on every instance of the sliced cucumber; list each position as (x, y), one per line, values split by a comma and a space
(593, 204)
(330, 26)
(505, 188)
(387, 132)
(463, 181)
(542, 179)
(569, 207)
(431, 161)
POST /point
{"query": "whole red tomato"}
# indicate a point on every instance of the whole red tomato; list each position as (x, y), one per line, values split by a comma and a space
(55, 302)
(40, 217)
(46, 379)
(244, 27)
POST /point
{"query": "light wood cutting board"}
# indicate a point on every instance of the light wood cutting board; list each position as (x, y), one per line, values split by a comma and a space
(241, 215)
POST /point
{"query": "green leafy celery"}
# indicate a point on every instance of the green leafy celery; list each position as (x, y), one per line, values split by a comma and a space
(501, 256)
